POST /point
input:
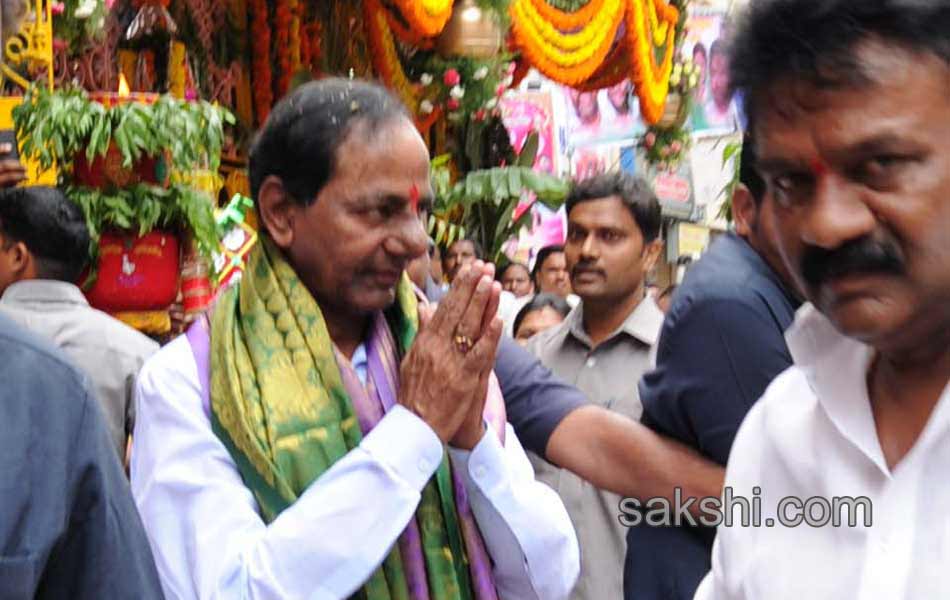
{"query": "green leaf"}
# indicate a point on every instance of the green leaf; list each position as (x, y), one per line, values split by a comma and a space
(529, 151)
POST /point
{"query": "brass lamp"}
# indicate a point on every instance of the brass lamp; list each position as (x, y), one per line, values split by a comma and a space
(470, 31)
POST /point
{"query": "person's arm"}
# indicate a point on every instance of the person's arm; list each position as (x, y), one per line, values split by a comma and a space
(526, 528)
(622, 456)
(105, 552)
(208, 538)
(554, 420)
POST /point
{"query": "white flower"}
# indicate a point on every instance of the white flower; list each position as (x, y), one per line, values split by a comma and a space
(491, 104)
(480, 73)
(674, 80)
(507, 81)
(425, 107)
(457, 92)
(85, 9)
(693, 80)
(425, 79)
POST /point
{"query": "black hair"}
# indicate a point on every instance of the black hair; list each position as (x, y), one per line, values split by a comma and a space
(543, 255)
(699, 47)
(300, 139)
(540, 302)
(476, 247)
(634, 193)
(748, 176)
(816, 40)
(501, 272)
(51, 227)
(716, 48)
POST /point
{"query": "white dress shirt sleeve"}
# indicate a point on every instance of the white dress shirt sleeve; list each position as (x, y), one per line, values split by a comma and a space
(210, 542)
(526, 528)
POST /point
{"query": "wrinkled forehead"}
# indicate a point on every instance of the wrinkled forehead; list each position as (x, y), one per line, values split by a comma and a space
(890, 91)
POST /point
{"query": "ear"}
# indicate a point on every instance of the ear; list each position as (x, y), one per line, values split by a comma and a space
(277, 211)
(744, 210)
(651, 253)
(18, 262)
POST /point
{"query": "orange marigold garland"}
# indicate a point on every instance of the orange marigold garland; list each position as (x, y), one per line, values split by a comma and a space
(405, 33)
(386, 62)
(567, 21)
(569, 58)
(651, 80)
(581, 48)
(263, 78)
(426, 17)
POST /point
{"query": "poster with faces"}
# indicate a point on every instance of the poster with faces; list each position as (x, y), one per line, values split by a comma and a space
(603, 116)
(715, 109)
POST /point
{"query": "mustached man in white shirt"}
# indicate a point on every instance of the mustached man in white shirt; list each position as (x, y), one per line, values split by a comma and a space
(850, 106)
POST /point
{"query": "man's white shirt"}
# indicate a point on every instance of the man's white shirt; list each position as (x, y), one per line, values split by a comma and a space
(209, 540)
(813, 435)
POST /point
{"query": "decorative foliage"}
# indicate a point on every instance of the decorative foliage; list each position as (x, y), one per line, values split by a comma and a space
(77, 23)
(462, 87)
(485, 204)
(145, 207)
(54, 126)
(666, 148)
(731, 154)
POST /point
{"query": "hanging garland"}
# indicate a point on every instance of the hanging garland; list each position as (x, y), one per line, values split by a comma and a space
(580, 47)
(283, 16)
(568, 5)
(650, 79)
(427, 17)
(566, 21)
(263, 78)
(387, 65)
(568, 58)
(405, 33)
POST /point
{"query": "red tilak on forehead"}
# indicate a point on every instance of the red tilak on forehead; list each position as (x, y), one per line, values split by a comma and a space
(414, 197)
(818, 167)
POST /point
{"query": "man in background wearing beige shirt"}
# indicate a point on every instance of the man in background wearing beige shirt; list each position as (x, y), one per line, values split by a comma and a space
(44, 245)
(603, 348)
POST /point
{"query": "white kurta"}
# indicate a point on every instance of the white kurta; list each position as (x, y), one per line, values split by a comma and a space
(210, 542)
(813, 435)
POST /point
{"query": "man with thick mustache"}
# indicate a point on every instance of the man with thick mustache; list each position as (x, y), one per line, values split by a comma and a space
(603, 347)
(851, 118)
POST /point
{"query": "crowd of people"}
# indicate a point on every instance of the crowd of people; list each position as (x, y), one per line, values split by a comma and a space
(362, 416)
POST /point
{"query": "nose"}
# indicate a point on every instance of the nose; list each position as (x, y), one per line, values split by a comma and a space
(837, 214)
(409, 242)
(589, 247)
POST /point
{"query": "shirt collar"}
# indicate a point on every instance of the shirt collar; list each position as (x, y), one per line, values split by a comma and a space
(644, 323)
(761, 266)
(836, 368)
(32, 291)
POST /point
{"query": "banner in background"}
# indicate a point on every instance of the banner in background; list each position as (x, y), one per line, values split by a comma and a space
(715, 109)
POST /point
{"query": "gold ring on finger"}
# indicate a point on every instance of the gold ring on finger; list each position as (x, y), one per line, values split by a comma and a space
(463, 343)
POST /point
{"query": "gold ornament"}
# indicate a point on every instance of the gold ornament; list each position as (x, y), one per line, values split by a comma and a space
(470, 32)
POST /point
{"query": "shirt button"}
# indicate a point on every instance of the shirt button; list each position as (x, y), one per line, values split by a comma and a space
(591, 362)
(424, 465)
(480, 472)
